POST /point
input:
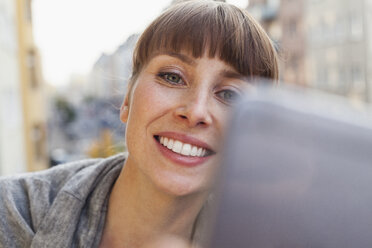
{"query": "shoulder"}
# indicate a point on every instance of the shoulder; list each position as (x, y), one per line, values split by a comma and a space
(26, 198)
(22, 186)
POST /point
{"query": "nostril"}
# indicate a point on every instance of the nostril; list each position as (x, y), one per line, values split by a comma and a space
(193, 118)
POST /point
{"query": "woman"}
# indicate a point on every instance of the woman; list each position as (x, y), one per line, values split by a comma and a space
(189, 66)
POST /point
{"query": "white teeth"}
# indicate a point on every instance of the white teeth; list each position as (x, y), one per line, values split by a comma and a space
(182, 148)
(170, 144)
(199, 153)
(194, 151)
(177, 146)
(186, 149)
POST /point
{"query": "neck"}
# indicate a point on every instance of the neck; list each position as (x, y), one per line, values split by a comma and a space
(138, 212)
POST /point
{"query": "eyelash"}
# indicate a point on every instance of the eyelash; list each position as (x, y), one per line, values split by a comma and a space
(163, 76)
(236, 93)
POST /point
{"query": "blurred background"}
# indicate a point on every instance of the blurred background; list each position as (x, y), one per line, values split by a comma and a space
(64, 67)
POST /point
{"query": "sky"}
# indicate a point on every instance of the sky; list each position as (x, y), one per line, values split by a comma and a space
(72, 34)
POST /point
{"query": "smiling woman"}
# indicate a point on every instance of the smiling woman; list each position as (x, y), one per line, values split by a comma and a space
(189, 66)
(188, 111)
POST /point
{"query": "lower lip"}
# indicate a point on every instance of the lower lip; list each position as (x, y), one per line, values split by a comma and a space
(181, 159)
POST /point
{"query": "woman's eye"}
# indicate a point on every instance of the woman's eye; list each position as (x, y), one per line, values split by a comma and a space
(171, 78)
(228, 96)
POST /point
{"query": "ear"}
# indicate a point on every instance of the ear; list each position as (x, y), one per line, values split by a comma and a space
(124, 110)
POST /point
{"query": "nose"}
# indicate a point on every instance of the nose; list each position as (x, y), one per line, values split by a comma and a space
(195, 110)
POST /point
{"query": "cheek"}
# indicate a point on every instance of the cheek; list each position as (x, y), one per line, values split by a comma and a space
(149, 102)
(227, 115)
(150, 96)
(221, 113)
(223, 118)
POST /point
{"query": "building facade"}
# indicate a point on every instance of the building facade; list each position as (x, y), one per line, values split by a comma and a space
(12, 144)
(283, 20)
(339, 50)
(293, 41)
(111, 72)
(23, 119)
(325, 44)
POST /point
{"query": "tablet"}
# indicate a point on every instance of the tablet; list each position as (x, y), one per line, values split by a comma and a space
(297, 173)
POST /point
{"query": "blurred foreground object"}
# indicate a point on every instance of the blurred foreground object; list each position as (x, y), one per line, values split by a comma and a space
(297, 173)
(22, 113)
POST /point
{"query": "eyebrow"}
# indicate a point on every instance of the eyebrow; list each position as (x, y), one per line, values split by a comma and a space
(234, 75)
(184, 58)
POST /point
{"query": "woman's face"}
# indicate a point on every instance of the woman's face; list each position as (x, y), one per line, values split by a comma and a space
(176, 119)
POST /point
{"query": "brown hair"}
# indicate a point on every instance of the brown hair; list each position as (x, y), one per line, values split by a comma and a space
(228, 33)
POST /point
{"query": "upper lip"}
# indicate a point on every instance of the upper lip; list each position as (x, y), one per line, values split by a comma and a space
(186, 139)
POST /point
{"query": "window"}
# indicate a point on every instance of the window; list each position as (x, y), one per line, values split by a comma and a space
(31, 65)
(356, 25)
(38, 141)
(28, 10)
(291, 27)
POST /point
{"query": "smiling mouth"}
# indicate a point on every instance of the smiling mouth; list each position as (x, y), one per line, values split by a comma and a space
(182, 148)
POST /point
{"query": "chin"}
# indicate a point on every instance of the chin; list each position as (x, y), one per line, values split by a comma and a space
(180, 186)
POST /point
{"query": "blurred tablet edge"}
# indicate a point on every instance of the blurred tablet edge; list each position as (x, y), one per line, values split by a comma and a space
(297, 173)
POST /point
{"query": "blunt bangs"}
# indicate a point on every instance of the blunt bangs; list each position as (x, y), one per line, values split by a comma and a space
(215, 29)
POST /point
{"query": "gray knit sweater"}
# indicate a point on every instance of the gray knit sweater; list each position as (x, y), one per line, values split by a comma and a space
(61, 207)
